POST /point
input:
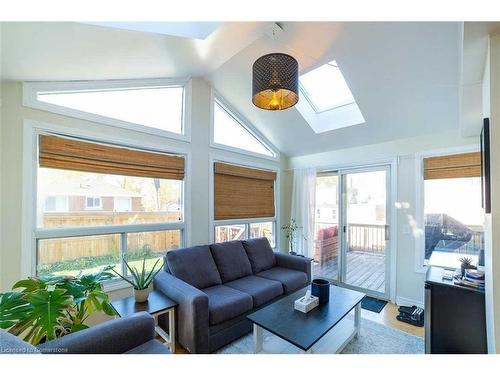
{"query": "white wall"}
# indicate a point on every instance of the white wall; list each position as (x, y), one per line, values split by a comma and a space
(409, 281)
(492, 255)
(13, 116)
(1, 130)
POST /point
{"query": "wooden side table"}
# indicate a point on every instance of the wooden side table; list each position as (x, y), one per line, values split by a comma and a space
(156, 305)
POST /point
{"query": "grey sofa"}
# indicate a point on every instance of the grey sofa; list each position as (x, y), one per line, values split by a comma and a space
(218, 285)
(131, 335)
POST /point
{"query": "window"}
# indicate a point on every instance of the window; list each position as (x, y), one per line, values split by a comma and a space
(233, 232)
(230, 232)
(118, 201)
(56, 204)
(123, 204)
(93, 203)
(243, 203)
(453, 216)
(325, 87)
(230, 131)
(152, 106)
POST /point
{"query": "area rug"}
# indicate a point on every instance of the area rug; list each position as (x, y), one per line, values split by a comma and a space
(373, 304)
(374, 338)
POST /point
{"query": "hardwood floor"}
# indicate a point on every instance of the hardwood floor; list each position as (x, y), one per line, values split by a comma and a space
(386, 317)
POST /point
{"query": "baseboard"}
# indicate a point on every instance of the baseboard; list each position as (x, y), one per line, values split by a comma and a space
(402, 301)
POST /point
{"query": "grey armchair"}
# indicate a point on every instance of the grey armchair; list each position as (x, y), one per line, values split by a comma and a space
(131, 335)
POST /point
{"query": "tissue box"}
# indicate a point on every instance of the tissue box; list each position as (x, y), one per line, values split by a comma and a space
(305, 305)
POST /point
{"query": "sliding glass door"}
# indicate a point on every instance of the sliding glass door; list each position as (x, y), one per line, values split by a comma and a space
(366, 229)
(327, 248)
(351, 243)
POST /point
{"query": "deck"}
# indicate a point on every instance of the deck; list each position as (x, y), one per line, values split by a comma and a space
(364, 270)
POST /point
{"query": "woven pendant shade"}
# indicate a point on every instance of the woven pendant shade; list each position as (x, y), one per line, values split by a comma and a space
(275, 84)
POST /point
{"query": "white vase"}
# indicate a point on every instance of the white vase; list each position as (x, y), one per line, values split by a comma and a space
(141, 295)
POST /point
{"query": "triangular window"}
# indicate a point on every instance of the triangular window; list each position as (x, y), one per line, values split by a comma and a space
(230, 131)
(154, 107)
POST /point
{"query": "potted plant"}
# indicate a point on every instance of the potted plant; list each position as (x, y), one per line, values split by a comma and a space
(48, 307)
(466, 264)
(291, 233)
(141, 279)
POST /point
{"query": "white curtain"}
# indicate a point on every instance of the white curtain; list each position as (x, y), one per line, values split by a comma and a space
(303, 204)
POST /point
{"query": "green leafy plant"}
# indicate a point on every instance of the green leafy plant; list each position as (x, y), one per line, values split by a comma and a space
(291, 232)
(140, 278)
(48, 307)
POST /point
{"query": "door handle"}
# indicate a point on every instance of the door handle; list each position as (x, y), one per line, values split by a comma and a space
(386, 232)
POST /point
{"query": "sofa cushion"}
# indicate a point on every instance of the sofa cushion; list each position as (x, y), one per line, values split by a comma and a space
(225, 303)
(149, 347)
(10, 344)
(260, 254)
(195, 266)
(291, 279)
(262, 290)
(231, 260)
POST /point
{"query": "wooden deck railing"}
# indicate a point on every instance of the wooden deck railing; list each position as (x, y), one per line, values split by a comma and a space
(361, 237)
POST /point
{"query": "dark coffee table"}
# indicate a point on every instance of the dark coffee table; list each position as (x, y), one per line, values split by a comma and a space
(305, 329)
(156, 305)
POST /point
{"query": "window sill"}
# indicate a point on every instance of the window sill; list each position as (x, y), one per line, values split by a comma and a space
(114, 285)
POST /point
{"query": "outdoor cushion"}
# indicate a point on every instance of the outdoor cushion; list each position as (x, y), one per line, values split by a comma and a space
(149, 347)
(260, 253)
(225, 303)
(291, 279)
(262, 290)
(231, 260)
(194, 266)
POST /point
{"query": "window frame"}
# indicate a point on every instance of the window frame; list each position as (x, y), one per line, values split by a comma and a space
(215, 97)
(93, 208)
(31, 90)
(421, 263)
(32, 234)
(276, 219)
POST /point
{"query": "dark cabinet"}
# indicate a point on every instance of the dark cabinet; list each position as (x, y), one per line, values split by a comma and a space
(455, 319)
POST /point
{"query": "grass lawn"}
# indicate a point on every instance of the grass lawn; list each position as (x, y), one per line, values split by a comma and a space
(133, 264)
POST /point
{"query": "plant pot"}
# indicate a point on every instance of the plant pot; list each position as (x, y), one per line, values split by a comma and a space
(321, 288)
(141, 295)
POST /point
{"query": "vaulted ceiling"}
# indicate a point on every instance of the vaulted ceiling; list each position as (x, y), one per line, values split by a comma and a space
(405, 77)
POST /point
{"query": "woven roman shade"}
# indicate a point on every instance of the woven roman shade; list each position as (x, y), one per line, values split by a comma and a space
(243, 193)
(67, 153)
(453, 166)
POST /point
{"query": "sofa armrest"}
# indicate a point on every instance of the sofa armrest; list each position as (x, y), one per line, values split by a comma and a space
(192, 311)
(294, 262)
(111, 337)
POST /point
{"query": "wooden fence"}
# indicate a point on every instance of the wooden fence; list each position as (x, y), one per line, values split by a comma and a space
(65, 249)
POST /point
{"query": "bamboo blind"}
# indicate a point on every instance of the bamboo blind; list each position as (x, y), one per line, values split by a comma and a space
(66, 153)
(243, 193)
(453, 166)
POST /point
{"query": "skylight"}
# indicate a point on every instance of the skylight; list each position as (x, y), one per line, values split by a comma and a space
(325, 88)
(229, 131)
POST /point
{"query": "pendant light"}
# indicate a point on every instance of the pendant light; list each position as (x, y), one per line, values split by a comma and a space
(275, 83)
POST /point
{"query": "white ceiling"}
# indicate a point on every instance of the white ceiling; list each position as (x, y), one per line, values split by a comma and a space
(197, 30)
(405, 77)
